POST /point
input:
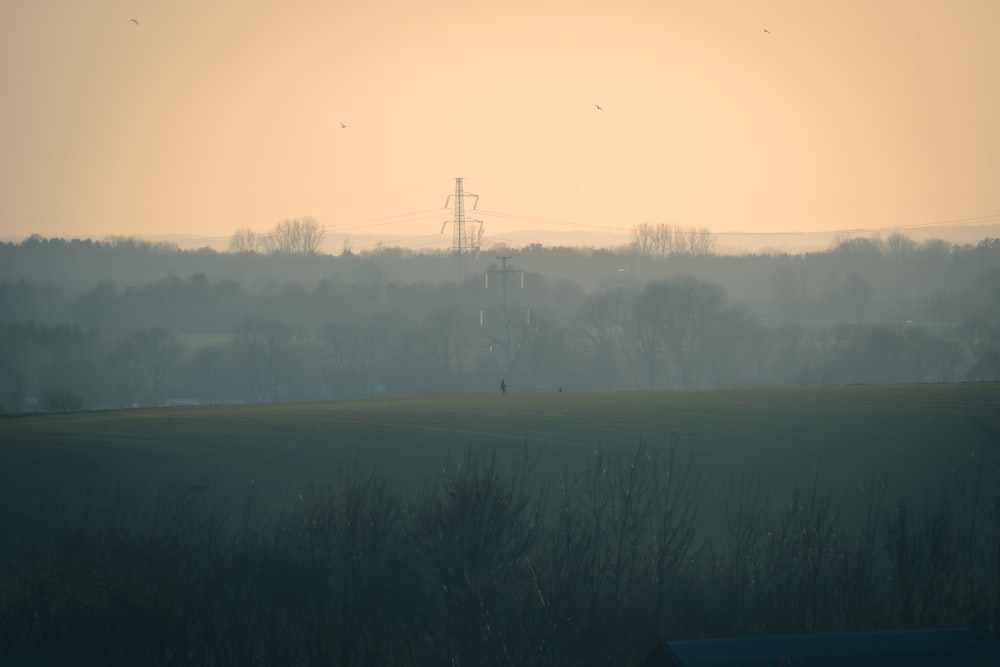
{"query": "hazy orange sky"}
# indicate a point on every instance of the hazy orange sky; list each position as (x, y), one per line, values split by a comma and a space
(208, 116)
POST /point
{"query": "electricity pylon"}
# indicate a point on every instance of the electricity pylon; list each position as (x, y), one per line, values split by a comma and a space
(460, 238)
(505, 342)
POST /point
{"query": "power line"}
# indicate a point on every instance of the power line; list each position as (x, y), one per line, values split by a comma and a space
(506, 319)
(382, 221)
(551, 221)
(954, 222)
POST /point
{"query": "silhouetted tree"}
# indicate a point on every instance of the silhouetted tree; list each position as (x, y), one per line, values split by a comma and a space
(294, 237)
(673, 319)
(156, 351)
(244, 241)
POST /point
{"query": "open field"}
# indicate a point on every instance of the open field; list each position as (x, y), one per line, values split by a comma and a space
(916, 438)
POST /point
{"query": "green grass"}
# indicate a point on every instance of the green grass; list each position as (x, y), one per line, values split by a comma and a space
(914, 437)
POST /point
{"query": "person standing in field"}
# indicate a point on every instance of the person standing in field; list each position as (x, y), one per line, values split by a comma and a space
(503, 387)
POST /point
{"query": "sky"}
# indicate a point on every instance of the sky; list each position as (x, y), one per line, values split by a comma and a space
(743, 117)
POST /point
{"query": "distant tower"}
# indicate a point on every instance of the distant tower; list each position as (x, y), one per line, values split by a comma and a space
(505, 341)
(460, 237)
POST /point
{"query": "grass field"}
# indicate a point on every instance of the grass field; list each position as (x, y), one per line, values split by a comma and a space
(916, 438)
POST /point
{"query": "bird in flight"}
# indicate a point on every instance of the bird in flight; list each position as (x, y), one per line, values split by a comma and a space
(599, 107)
(343, 124)
(767, 31)
(135, 21)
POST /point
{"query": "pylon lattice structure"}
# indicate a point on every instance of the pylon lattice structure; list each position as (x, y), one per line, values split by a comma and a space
(505, 341)
(460, 238)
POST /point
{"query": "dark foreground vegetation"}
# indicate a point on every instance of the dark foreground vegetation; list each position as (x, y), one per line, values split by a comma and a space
(489, 565)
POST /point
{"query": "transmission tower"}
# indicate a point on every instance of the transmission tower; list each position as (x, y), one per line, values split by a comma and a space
(460, 237)
(505, 341)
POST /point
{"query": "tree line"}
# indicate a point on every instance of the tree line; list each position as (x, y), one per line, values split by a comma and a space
(409, 325)
(302, 236)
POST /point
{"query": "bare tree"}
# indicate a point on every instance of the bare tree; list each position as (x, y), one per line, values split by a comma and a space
(900, 246)
(860, 573)
(798, 577)
(281, 353)
(244, 241)
(476, 532)
(270, 351)
(922, 551)
(649, 328)
(673, 320)
(701, 242)
(644, 238)
(663, 240)
(156, 351)
(248, 341)
(604, 325)
(447, 333)
(121, 369)
(295, 237)
(745, 504)
(622, 534)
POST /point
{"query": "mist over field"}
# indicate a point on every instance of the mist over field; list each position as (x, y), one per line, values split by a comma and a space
(706, 347)
(535, 456)
(126, 323)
